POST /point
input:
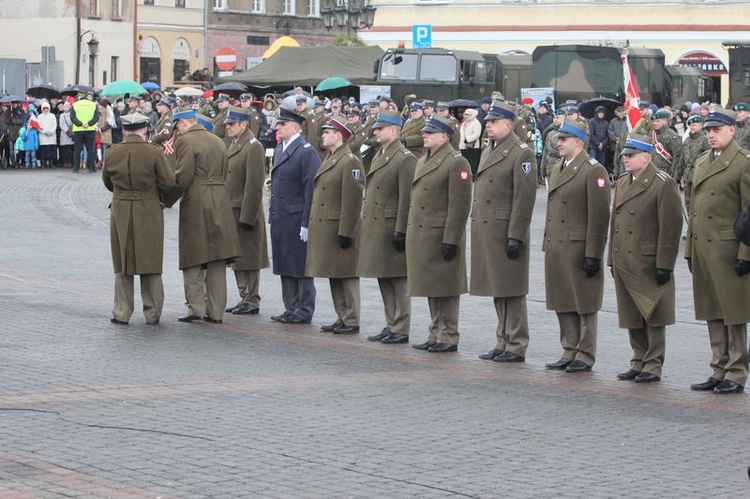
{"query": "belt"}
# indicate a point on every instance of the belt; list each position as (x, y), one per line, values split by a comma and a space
(211, 180)
(135, 195)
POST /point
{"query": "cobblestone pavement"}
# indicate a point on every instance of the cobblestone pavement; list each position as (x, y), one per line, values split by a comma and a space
(257, 409)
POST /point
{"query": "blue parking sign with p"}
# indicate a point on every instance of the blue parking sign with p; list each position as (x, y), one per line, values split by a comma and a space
(421, 36)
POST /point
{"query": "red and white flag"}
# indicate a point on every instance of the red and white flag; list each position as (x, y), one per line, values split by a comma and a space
(632, 97)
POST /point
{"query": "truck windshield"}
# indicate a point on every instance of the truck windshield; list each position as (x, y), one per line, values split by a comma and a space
(438, 67)
(399, 67)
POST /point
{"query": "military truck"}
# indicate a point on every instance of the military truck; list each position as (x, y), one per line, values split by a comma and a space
(582, 72)
(446, 75)
(690, 84)
(739, 71)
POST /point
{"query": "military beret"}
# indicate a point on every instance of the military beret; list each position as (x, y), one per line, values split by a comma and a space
(237, 114)
(696, 118)
(661, 114)
(636, 143)
(335, 123)
(720, 117)
(742, 106)
(527, 100)
(572, 128)
(559, 112)
(134, 121)
(438, 125)
(501, 111)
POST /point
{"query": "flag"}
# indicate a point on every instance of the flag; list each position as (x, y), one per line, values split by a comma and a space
(632, 97)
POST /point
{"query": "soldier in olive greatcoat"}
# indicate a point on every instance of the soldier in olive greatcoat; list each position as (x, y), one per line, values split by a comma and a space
(695, 144)
(574, 238)
(245, 181)
(720, 264)
(411, 131)
(222, 104)
(382, 241)
(137, 174)
(504, 195)
(334, 225)
(667, 144)
(207, 231)
(436, 234)
(644, 239)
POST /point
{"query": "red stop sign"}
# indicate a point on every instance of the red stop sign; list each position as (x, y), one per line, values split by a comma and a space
(226, 58)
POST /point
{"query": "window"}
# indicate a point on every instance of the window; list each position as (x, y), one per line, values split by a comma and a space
(399, 67)
(220, 4)
(179, 3)
(438, 68)
(259, 6)
(113, 66)
(116, 9)
(148, 2)
(288, 7)
(94, 8)
(258, 40)
(313, 8)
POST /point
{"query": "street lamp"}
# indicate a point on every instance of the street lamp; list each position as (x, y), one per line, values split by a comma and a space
(349, 14)
(93, 44)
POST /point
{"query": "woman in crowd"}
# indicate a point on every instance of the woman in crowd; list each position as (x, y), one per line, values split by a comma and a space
(105, 126)
(47, 137)
(30, 136)
(66, 136)
(471, 137)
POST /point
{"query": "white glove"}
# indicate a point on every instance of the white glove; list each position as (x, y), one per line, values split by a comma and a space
(303, 234)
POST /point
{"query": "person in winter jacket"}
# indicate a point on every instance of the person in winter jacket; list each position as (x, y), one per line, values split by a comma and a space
(47, 136)
(599, 137)
(30, 136)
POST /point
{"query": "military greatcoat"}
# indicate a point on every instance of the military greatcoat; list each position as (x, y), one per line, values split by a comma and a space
(336, 209)
(440, 205)
(137, 174)
(721, 189)
(504, 194)
(385, 211)
(207, 231)
(291, 196)
(220, 128)
(576, 228)
(411, 134)
(245, 182)
(644, 235)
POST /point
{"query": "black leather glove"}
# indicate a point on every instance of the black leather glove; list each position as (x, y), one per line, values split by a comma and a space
(663, 276)
(449, 251)
(591, 266)
(399, 241)
(742, 267)
(247, 226)
(345, 242)
(513, 248)
(690, 265)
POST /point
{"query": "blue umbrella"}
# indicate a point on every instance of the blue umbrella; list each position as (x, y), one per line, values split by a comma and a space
(150, 86)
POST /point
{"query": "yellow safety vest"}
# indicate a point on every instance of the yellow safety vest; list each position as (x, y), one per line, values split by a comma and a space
(84, 109)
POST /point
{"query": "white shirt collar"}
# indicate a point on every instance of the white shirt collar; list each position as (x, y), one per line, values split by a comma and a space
(284, 145)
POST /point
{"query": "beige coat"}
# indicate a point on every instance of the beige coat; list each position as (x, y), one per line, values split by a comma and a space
(385, 211)
(644, 235)
(335, 211)
(137, 174)
(245, 182)
(440, 205)
(504, 195)
(721, 190)
(207, 229)
(577, 222)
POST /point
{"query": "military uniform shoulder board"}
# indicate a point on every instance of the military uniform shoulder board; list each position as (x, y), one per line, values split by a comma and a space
(253, 140)
(593, 161)
(407, 152)
(523, 145)
(458, 155)
(350, 155)
(622, 175)
(704, 153)
(307, 145)
(663, 175)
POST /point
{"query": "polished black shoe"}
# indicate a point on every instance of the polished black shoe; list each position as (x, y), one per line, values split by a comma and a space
(647, 378)
(706, 386)
(424, 346)
(189, 318)
(380, 336)
(577, 366)
(395, 338)
(442, 348)
(232, 309)
(279, 318)
(628, 375)
(727, 386)
(293, 319)
(118, 322)
(329, 328)
(245, 309)
(212, 321)
(491, 354)
(559, 365)
(344, 329)
(509, 357)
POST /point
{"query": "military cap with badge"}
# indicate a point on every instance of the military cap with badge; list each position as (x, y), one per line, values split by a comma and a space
(134, 121)
(719, 118)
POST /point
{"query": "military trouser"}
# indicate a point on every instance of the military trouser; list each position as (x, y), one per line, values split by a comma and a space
(512, 325)
(729, 359)
(444, 319)
(648, 344)
(578, 336)
(206, 289)
(396, 304)
(346, 299)
(152, 295)
(688, 195)
(248, 285)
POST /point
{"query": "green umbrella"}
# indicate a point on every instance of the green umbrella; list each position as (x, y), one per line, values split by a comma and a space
(331, 83)
(122, 87)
